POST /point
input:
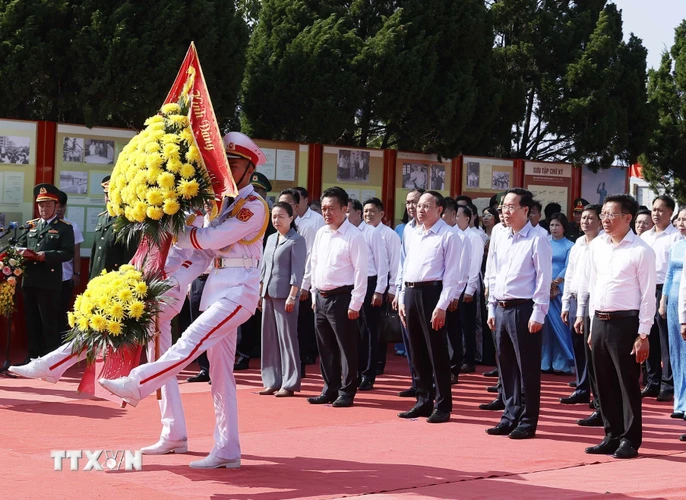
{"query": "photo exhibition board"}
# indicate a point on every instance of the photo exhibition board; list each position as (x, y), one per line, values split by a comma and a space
(484, 177)
(83, 157)
(286, 165)
(358, 171)
(549, 182)
(595, 186)
(18, 148)
(417, 170)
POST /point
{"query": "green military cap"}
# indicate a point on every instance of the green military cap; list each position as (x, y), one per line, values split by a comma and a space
(46, 192)
(258, 179)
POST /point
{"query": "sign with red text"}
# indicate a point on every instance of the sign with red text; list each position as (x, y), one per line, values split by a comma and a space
(549, 182)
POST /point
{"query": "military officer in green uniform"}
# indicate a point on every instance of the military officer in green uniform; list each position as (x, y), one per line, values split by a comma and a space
(575, 223)
(48, 244)
(107, 252)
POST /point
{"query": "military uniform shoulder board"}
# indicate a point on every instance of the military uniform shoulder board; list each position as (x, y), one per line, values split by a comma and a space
(102, 213)
(33, 220)
(64, 222)
(252, 197)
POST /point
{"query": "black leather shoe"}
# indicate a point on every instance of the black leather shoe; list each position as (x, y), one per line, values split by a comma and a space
(492, 373)
(495, 405)
(416, 412)
(438, 417)
(650, 392)
(493, 388)
(343, 402)
(604, 448)
(322, 399)
(522, 433)
(408, 393)
(595, 420)
(366, 385)
(677, 414)
(625, 450)
(202, 376)
(243, 363)
(665, 396)
(572, 384)
(499, 430)
(453, 379)
(575, 398)
(682, 437)
(467, 368)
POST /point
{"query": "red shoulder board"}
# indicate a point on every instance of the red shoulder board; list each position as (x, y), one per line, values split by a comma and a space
(252, 197)
(244, 215)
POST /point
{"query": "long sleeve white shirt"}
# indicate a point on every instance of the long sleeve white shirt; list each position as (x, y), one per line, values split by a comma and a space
(661, 243)
(377, 260)
(463, 262)
(522, 269)
(576, 266)
(339, 258)
(497, 231)
(430, 257)
(620, 278)
(408, 234)
(308, 225)
(392, 244)
(477, 257)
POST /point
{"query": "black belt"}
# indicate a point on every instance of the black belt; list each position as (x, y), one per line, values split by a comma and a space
(506, 304)
(606, 316)
(336, 291)
(423, 284)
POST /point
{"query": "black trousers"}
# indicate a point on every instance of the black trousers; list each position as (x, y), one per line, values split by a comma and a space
(42, 309)
(453, 327)
(580, 346)
(618, 373)
(519, 361)
(467, 312)
(658, 365)
(307, 341)
(194, 297)
(429, 349)
(369, 324)
(65, 305)
(592, 379)
(337, 339)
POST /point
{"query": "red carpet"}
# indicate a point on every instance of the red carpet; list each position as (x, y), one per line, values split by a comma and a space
(294, 450)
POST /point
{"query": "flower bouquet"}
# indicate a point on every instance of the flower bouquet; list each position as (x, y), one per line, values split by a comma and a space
(12, 266)
(117, 309)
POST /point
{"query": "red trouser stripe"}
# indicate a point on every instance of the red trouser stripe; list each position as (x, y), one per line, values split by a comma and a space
(192, 354)
(63, 361)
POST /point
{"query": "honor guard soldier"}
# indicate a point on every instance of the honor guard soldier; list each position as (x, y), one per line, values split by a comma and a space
(48, 244)
(232, 244)
(108, 252)
(575, 225)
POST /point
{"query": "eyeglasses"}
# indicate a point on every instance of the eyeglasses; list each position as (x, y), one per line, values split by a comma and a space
(604, 216)
(425, 206)
(509, 208)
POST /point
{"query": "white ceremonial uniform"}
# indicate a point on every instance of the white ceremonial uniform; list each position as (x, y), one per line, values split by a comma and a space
(377, 260)
(233, 242)
(392, 244)
(308, 225)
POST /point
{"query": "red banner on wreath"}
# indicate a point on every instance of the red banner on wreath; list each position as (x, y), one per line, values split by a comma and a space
(203, 123)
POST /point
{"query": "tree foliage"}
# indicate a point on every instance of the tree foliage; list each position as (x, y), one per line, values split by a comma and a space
(663, 160)
(111, 62)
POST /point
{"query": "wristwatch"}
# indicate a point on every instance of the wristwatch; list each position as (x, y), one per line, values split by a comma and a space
(77, 274)
(291, 297)
(643, 336)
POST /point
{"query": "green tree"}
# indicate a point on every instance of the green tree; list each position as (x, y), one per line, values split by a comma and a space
(663, 160)
(112, 62)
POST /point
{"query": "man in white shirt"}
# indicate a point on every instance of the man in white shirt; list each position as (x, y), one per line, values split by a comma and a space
(621, 284)
(577, 317)
(411, 201)
(377, 282)
(431, 279)
(373, 216)
(308, 223)
(71, 270)
(518, 303)
(339, 285)
(660, 238)
(535, 217)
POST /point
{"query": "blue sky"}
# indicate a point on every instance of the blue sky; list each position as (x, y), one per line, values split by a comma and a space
(653, 21)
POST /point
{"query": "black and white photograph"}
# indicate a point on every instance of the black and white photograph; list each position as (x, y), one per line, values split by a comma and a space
(74, 182)
(415, 175)
(99, 151)
(72, 149)
(438, 177)
(14, 150)
(501, 181)
(353, 166)
(473, 169)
